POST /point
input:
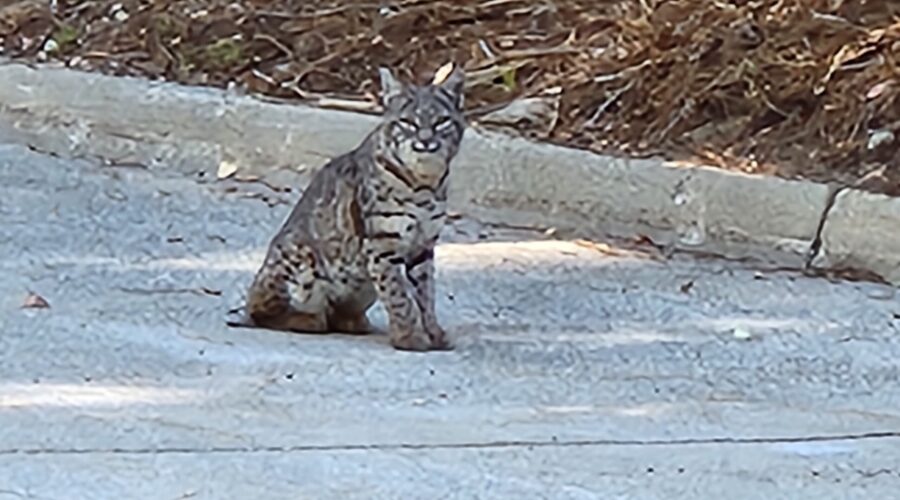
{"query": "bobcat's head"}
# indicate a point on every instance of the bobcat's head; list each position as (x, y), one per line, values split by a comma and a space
(423, 125)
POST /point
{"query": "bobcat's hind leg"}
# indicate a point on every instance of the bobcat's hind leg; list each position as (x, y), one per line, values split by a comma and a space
(348, 315)
(285, 295)
(356, 324)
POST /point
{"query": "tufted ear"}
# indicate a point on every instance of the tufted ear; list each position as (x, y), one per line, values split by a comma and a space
(451, 78)
(391, 87)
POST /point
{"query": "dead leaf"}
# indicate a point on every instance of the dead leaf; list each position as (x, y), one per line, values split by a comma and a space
(226, 169)
(741, 333)
(877, 90)
(35, 301)
(442, 73)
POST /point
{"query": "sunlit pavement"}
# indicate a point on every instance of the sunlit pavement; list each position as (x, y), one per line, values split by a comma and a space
(581, 371)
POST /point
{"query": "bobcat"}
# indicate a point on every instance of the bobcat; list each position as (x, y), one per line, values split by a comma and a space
(366, 227)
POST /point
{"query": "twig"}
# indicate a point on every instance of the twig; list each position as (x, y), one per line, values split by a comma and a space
(832, 18)
(274, 41)
(336, 10)
(497, 3)
(592, 121)
(685, 109)
(768, 102)
(615, 76)
(347, 104)
(539, 52)
(156, 291)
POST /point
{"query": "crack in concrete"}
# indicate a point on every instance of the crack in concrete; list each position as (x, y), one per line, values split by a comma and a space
(816, 247)
(454, 446)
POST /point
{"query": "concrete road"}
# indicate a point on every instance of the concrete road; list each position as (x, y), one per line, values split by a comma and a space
(581, 371)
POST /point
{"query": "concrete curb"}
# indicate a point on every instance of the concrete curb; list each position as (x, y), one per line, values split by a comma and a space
(862, 231)
(193, 130)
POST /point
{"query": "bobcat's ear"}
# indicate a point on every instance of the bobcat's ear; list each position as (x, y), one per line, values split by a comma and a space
(451, 79)
(391, 87)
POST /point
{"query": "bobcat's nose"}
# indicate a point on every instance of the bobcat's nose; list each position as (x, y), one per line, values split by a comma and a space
(426, 146)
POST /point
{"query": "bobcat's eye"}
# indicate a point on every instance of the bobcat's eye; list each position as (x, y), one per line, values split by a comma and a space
(443, 124)
(407, 125)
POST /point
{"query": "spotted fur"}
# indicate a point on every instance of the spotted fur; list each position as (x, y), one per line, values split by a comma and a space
(366, 227)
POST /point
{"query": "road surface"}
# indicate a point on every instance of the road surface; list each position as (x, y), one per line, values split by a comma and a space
(582, 371)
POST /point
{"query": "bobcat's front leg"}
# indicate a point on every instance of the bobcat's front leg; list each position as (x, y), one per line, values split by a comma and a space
(420, 272)
(386, 270)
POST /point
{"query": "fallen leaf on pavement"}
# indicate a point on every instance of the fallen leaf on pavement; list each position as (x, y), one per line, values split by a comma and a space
(35, 301)
(226, 170)
(742, 334)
